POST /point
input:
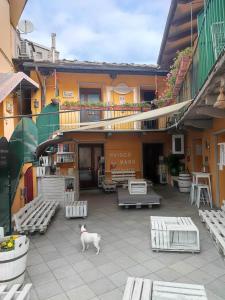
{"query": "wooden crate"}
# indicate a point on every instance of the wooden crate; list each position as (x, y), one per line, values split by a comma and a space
(76, 209)
(15, 292)
(215, 223)
(174, 234)
(137, 186)
(122, 176)
(145, 289)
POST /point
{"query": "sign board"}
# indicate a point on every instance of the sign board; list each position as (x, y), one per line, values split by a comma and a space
(68, 94)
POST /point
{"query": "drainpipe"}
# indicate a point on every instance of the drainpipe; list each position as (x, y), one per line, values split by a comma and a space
(53, 35)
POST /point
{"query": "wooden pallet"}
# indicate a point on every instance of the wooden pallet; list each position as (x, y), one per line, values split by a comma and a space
(15, 292)
(145, 289)
(177, 291)
(174, 234)
(215, 223)
(76, 209)
(35, 216)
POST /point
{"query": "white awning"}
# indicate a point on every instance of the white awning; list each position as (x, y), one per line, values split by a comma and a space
(148, 115)
(9, 81)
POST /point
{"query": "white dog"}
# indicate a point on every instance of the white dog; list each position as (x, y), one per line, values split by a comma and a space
(87, 238)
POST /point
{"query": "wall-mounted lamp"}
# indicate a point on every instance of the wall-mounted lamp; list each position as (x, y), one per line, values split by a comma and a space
(36, 103)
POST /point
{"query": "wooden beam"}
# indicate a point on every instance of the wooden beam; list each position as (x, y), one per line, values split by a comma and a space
(201, 123)
(181, 34)
(208, 110)
(186, 18)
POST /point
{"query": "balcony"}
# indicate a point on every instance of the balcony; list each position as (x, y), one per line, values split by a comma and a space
(75, 117)
(209, 48)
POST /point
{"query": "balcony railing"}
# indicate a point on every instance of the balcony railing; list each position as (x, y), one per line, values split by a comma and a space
(71, 120)
(210, 45)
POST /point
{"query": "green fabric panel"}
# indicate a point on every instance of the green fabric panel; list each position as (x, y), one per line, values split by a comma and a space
(4, 171)
(47, 124)
(22, 147)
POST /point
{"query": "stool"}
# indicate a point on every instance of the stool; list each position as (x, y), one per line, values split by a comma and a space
(203, 195)
(193, 193)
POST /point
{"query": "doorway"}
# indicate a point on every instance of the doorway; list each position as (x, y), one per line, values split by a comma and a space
(151, 153)
(28, 185)
(89, 155)
(90, 96)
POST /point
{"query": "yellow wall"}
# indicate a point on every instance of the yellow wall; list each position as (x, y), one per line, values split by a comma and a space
(207, 138)
(74, 81)
(118, 151)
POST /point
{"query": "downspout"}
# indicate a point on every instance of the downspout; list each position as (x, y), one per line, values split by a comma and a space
(43, 87)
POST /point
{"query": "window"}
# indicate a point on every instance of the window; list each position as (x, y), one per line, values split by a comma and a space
(178, 144)
(39, 55)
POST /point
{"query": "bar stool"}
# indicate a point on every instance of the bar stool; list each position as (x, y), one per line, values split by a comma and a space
(203, 195)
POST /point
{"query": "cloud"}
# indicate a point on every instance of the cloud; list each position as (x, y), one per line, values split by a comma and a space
(103, 30)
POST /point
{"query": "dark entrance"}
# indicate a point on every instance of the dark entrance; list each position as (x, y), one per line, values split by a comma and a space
(151, 153)
(28, 185)
(89, 155)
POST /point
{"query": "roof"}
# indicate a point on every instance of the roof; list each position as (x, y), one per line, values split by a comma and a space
(180, 30)
(9, 81)
(16, 9)
(40, 46)
(77, 66)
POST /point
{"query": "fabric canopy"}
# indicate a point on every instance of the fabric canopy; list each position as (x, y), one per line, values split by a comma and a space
(9, 81)
(148, 115)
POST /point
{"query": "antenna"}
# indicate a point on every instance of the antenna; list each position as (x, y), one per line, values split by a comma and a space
(25, 26)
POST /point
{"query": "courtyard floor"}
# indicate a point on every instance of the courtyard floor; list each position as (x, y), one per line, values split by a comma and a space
(59, 270)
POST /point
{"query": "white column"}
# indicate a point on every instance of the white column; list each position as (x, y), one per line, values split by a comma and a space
(108, 101)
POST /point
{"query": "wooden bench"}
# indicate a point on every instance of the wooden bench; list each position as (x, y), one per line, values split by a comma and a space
(35, 215)
(76, 209)
(174, 234)
(15, 292)
(122, 176)
(215, 223)
(145, 289)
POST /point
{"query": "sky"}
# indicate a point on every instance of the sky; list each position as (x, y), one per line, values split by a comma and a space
(127, 31)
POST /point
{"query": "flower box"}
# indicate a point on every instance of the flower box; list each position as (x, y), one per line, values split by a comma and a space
(105, 108)
(181, 72)
(13, 260)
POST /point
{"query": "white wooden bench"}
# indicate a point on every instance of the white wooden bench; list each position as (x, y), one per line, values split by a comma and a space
(76, 209)
(145, 289)
(15, 292)
(35, 215)
(122, 176)
(174, 234)
(215, 223)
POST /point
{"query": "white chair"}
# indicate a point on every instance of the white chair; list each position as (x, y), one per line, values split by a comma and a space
(193, 193)
(203, 195)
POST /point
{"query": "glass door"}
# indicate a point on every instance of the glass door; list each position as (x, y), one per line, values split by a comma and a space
(89, 97)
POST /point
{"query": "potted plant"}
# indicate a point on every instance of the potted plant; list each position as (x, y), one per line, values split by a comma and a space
(173, 163)
(13, 259)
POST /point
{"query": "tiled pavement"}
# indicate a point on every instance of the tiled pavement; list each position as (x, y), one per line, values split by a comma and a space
(59, 270)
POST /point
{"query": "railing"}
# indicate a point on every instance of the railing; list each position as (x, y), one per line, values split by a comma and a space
(70, 120)
(210, 45)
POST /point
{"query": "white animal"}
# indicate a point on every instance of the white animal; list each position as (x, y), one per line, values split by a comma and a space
(87, 238)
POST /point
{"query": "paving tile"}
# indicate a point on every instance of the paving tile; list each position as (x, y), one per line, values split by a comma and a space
(81, 293)
(48, 290)
(213, 269)
(217, 287)
(200, 277)
(168, 274)
(83, 265)
(119, 278)
(42, 278)
(64, 271)
(182, 267)
(125, 262)
(70, 282)
(101, 286)
(52, 255)
(137, 271)
(59, 262)
(37, 269)
(153, 265)
(109, 268)
(91, 275)
(58, 297)
(113, 295)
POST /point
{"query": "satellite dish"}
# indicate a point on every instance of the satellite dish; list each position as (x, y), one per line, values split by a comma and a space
(25, 26)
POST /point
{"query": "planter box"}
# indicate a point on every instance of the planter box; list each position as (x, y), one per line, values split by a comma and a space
(105, 108)
(13, 263)
(182, 70)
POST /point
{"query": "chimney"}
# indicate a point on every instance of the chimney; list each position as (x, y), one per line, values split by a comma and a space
(53, 35)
